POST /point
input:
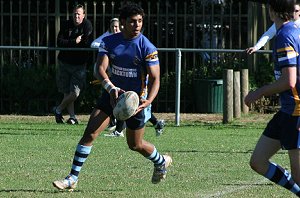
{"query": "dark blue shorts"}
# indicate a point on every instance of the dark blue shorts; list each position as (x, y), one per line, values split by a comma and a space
(285, 128)
(135, 122)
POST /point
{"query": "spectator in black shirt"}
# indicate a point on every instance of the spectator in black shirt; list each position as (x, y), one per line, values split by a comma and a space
(75, 33)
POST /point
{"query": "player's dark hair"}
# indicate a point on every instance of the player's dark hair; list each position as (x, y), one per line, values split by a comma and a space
(131, 9)
(283, 8)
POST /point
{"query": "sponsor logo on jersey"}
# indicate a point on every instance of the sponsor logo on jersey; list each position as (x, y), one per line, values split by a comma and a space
(125, 72)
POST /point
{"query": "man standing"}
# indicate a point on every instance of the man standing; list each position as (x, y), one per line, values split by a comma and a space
(75, 33)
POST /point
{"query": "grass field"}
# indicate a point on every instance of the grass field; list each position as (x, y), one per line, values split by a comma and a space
(209, 160)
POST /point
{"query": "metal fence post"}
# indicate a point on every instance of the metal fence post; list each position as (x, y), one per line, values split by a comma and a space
(178, 81)
(57, 25)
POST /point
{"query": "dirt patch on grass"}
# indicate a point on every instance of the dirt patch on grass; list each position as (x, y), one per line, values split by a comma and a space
(169, 117)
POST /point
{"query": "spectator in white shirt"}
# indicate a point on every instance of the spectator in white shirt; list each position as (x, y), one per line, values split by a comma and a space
(271, 32)
(114, 27)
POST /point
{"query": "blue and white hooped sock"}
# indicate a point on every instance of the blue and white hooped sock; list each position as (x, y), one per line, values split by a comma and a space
(282, 177)
(156, 158)
(81, 154)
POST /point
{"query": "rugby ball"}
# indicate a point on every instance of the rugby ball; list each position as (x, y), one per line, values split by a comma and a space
(126, 106)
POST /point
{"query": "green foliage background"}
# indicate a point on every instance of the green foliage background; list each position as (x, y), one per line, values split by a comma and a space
(32, 89)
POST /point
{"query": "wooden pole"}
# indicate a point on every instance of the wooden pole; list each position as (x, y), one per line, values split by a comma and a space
(236, 95)
(228, 96)
(244, 89)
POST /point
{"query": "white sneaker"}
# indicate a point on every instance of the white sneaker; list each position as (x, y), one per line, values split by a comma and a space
(115, 134)
(67, 183)
(160, 172)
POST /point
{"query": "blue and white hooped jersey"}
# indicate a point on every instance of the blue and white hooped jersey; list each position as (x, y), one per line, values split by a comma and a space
(286, 54)
(128, 61)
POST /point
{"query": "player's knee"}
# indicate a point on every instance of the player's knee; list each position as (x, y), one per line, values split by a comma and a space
(258, 165)
(135, 147)
(252, 164)
(88, 138)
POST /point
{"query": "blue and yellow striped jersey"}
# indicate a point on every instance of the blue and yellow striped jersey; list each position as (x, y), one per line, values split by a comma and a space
(128, 61)
(286, 54)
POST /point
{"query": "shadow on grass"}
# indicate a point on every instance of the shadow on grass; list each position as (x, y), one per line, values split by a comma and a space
(37, 191)
(250, 184)
(216, 152)
(32, 129)
(53, 191)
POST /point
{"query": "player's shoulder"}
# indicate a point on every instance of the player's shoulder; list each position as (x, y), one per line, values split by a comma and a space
(110, 41)
(112, 37)
(287, 30)
(146, 40)
(145, 43)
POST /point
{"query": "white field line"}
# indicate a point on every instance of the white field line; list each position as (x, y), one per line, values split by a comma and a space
(230, 189)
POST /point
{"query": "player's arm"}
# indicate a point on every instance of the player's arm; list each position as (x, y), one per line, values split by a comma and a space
(101, 74)
(287, 81)
(153, 86)
(154, 82)
(100, 67)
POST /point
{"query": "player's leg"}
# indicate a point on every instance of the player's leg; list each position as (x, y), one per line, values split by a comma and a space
(135, 139)
(281, 176)
(112, 123)
(97, 122)
(267, 145)
(265, 148)
(120, 126)
(119, 129)
(283, 127)
(153, 119)
(290, 141)
(158, 124)
(136, 143)
(295, 167)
